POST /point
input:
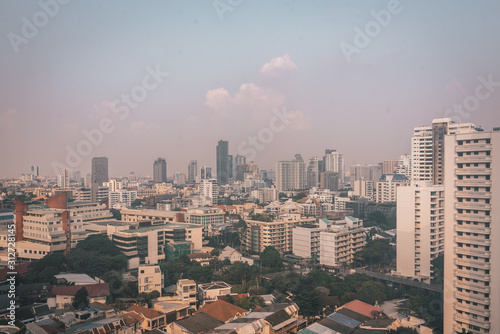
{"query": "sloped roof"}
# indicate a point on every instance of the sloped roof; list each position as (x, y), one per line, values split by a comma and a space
(198, 323)
(20, 269)
(221, 310)
(94, 290)
(131, 317)
(146, 312)
(363, 308)
(102, 306)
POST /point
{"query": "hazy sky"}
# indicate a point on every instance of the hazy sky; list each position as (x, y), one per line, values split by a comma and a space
(346, 80)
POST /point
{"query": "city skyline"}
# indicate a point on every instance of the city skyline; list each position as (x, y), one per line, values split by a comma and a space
(207, 74)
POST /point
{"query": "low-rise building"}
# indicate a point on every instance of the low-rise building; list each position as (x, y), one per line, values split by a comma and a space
(187, 292)
(150, 279)
(152, 318)
(155, 244)
(206, 217)
(340, 241)
(210, 291)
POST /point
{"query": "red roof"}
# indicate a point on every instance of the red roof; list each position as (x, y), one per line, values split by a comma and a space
(94, 290)
(222, 310)
(20, 269)
(131, 317)
(363, 308)
(146, 312)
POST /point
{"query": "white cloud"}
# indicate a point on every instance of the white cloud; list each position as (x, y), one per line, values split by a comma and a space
(278, 66)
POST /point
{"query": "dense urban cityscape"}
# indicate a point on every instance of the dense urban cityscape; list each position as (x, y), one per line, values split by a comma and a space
(237, 167)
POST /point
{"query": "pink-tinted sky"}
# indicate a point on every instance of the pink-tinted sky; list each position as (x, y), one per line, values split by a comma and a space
(231, 65)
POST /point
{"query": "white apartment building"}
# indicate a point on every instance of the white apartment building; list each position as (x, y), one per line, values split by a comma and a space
(364, 188)
(404, 166)
(388, 185)
(291, 175)
(48, 230)
(472, 233)
(334, 162)
(427, 146)
(265, 195)
(278, 233)
(121, 198)
(135, 215)
(205, 217)
(340, 241)
(150, 279)
(82, 195)
(113, 185)
(63, 179)
(210, 188)
(306, 241)
(340, 203)
(420, 226)
(187, 292)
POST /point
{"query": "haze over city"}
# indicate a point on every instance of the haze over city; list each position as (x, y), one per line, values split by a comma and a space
(228, 68)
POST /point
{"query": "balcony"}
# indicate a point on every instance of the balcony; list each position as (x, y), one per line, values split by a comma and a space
(467, 319)
(473, 183)
(466, 239)
(473, 217)
(472, 194)
(471, 229)
(476, 298)
(473, 171)
(479, 309)
(474, 147)
(473, 206)
(472, 275)
(473, 263)
(479, 287)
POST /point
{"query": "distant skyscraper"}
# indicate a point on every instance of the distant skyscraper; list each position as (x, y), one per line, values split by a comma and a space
(291, 175)
(427, 149)
(160, 171)
(222, 162)
(99, 175)
(230, 166)
(63, 178)
(312, 173)
(192, 171)
(35, 171)
(208, 172)
(472, 233)
(368, 172)
(390, 166)
(333, 161)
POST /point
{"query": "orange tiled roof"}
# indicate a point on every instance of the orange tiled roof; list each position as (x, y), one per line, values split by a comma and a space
(363, 308)
(221, 310)
(146, 312)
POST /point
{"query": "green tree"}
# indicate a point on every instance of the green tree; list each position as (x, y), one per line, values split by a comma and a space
(348, 297)
(270, 258)
(378, 218)
(81, 299)
(307, 297)
(438, 267)
(371, 292)
(376, 253)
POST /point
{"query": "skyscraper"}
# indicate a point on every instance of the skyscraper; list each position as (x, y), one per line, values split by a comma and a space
(63, 178)
(192, 171)
(222, 162)
(312, 173)
(472, 233)
(99, 175)
(420, 224)
(291, 175)
(427, 148)
(230, 166)
(333, 161)
(160, 170)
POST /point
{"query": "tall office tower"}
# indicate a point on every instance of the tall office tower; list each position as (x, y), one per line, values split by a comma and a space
(222, 162)
(333, 161)
(192, 171)
(427, 148)
(230, 166)
(291, 175)
(389, 166)
(312, 173)
(35, 170)
(99, 175)
(404, 166)
(472, 233)
(63, 178)
(210, 188)
(330, 181)
(208, 172)
(420, 225)
(240, 160)
(160, 170)
(369, 172)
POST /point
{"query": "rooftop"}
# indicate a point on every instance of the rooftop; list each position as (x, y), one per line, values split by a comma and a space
(222, 310)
